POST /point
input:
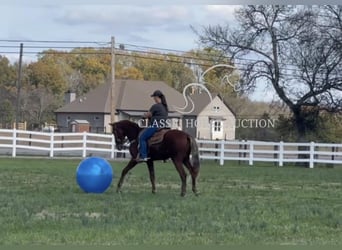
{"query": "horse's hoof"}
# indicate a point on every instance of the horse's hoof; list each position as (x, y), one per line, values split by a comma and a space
(154, 192)
(196, 193)
(182, 194)
(118, 190)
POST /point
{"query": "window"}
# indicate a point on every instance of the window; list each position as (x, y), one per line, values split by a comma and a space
(96, 118)
(216, 108)
(217, 126)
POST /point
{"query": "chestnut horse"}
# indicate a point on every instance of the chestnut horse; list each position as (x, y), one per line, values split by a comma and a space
(176, 145)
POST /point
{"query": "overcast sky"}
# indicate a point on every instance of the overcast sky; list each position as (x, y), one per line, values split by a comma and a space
(165, 26)
(155, 25)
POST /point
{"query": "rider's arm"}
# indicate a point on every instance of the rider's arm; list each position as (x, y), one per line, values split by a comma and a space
(148, 114)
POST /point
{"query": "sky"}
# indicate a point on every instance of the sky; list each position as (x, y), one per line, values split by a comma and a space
(164, 26)
(154, 24)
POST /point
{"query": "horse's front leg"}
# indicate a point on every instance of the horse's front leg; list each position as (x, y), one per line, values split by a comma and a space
(131, 164)
(152, 176)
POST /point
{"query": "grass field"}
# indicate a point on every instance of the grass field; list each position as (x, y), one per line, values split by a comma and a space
(42, 204)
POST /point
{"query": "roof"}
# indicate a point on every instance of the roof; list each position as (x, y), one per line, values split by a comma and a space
(136, 95)
(96, 101)
(129, 94)
(201, 100)
(227, 105)
(141, 113)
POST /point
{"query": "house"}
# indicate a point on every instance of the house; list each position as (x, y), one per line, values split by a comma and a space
(209, 119)
(132, 101)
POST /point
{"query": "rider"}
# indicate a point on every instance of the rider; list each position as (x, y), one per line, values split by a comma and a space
(157, 115)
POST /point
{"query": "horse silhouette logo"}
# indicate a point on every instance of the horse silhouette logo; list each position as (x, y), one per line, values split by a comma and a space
(202, 84)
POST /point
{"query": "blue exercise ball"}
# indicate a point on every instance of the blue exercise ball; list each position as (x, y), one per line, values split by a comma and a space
(94, 175)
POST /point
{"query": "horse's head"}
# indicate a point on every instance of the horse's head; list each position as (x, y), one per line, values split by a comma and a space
(124, 130)
(119, 135)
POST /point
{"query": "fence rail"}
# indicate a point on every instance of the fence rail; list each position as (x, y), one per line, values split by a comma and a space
(20, 142)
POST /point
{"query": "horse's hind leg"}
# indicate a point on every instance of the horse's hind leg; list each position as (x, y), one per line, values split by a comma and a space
(131, 164)
(152, 176)
(193, 173)
(179, 166)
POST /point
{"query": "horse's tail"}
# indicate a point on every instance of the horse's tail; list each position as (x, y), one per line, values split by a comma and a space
(195, 162)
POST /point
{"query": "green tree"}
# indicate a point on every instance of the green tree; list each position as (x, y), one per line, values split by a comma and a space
(82, 69)
(7, 79)
(6, 112)
(93, 66)
(48, 75)
(7, 72)
(332, 128)
(164, 67)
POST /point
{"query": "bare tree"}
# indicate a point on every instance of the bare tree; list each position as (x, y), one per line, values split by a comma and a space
(290, 49)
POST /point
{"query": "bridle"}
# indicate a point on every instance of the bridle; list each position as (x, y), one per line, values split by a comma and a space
(122, 143)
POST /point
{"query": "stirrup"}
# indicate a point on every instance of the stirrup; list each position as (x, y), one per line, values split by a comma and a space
(142, 159)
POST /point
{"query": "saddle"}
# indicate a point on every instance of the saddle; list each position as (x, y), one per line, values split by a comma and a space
(158, 136)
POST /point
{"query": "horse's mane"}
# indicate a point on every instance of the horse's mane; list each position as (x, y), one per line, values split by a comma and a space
(127, 123)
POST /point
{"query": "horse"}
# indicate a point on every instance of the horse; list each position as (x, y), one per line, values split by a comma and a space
(176, 145)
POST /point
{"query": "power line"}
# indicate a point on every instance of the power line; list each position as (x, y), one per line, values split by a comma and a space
(127, 44)
(51, 47)
(135, 51)
(149, 58)
(98, 52)
(52, 41)
(294, 76)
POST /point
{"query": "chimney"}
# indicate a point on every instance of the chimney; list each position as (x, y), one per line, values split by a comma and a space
(69, 97)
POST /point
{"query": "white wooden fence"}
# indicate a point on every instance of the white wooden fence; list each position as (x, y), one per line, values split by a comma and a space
(20, 142)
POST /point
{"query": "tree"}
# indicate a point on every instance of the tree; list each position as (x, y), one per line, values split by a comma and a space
(291, 52)
(7, 72)
(169, 68)
(82, 69)
(7, 79)
(45, 74)
(220, 79)
(6, 112)
(93, 65)
(332, 128)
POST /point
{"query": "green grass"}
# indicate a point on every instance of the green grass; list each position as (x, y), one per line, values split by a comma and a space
(42, 204)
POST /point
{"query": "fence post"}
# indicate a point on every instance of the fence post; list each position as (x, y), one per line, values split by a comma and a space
(276, 154)
(84, 151)
(14, 143)
(222, 153)
(216, 152)
(281, 154)
(333, 153)
(245, 149)
(251, 149)
(52, 139)
(312, 154)
(240, 147)
(113, 147)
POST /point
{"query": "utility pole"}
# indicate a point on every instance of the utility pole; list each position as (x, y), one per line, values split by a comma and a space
(17, 111)
(112, 97)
